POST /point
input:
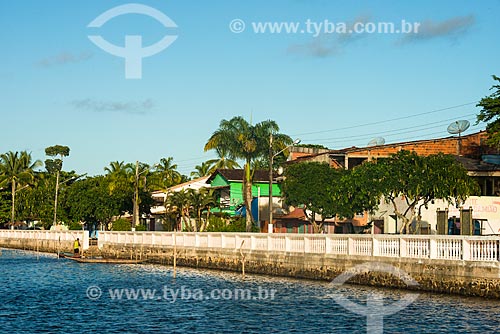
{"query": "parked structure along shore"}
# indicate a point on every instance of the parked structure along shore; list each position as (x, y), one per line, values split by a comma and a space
(464, 265)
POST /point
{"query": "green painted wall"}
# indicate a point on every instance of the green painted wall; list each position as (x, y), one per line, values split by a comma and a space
(219, 181)
(236, 189)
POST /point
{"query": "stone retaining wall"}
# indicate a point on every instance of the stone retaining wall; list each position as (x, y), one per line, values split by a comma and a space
(442, 276)
(47, 246)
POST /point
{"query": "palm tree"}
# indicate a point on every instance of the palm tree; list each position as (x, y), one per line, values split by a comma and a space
(200, 200)
(179, 203)
(120, 174)
(242, 140)
(17, 169)
(168, 173)
(202, 170)
(118, 168)
(222, 162)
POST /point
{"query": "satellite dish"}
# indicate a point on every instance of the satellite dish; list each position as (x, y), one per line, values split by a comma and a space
(458, 127)
(376, 141)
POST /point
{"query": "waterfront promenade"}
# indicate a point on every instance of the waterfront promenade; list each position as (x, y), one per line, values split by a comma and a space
(467, 248)
(467, 265)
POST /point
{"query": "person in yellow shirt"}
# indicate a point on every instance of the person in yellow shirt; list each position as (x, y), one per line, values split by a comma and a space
(76, 246)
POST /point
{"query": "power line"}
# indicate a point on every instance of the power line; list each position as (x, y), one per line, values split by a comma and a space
(426, 136)
(387, 133)
(385, 121)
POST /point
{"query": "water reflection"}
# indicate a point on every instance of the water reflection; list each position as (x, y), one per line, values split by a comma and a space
(49, 294)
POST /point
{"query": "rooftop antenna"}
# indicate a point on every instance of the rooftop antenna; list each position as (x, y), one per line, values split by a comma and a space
(376, 141)
(458, 127)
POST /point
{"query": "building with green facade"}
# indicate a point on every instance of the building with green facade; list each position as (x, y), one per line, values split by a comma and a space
(228, 185)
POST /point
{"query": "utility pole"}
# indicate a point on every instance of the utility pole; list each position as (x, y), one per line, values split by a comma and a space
(57, 191)
(270, 225)
(136, 197)
(55, 200)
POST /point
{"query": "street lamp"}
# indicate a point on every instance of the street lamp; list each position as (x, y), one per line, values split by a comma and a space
(271, 158)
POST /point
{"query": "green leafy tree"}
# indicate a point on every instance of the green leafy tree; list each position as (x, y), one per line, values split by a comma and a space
(5, 205)
(123, 178)
(360, 190)
(16, 170)
(316, 186)
(122, 225)
(227, 224)
(490, 113)
(93, 200)
(241, 140)
(419, 180)
(37, 202)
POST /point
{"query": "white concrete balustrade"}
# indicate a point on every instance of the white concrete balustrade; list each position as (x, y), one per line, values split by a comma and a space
(40, 235)
(466, 248)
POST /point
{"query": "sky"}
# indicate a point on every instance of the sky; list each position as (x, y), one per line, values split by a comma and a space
(323, 83)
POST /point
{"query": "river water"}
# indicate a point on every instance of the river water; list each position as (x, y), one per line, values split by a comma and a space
(40, 293)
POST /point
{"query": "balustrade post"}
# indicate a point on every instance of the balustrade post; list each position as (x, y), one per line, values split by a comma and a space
(237, 241)
(288, 244)
(433, 253)
(307, 245)
(497, 249)
(222, 240)
(350, 246)
(403, 247)
(328, 244)
(466, 253)
(375, 246)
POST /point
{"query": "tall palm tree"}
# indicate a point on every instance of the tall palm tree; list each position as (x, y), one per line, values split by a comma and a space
(202, 170)
(17, 169)
(223, 162)
(120, 174)
(167, 170)
(118, 167)
(242, 140)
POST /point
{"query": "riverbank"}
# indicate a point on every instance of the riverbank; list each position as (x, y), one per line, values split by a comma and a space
(450, 277)
(312, 257)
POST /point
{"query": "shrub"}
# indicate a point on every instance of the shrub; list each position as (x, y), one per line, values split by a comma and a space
(121, 225)
(75, 226)
(233, 224)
